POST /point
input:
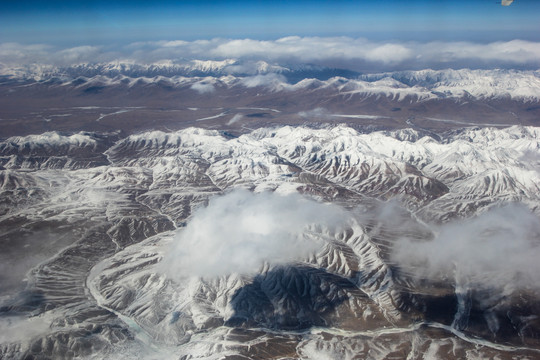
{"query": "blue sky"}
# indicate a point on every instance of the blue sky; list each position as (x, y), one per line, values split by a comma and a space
(72, 23)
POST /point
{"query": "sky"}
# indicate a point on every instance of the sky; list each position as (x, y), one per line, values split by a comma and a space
(71, 23)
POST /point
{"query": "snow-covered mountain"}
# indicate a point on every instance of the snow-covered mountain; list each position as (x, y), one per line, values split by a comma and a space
(474, 83)
(94, 224)
(419, 85)
(190, 68)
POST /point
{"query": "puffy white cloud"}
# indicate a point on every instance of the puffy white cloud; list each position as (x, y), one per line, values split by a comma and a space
(510, 53)
(352, 53)
(13, 53)
(77, 55)
(272, 81)
(203, 88)
(360, 54)
(389, 53)
(18, 54)
(240, 231)
(313, 49)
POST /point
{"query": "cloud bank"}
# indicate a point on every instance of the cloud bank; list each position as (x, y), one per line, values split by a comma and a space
(343, 52)
(498, 249)
(240, 231)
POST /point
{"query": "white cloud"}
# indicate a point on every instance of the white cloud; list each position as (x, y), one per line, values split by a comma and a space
(389, 53)
(20, 328)
(316, 114)
(13, 53)
(203, 88)
(498, 249)
(273, 81)
(235, 119)
(351, 53)
(77, 55)
(174, 43)
(240, 231)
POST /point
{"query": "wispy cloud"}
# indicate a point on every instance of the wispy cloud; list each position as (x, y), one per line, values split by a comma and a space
(234, 119)
(14, 53)
(203, 88)
(79, 54)
(352, 53)
(240, 231)
(499, 249)
(272, 81)
(317, 113)
(20, 328)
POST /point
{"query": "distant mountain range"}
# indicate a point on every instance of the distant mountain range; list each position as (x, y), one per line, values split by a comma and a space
(421, 85)
(191, 68)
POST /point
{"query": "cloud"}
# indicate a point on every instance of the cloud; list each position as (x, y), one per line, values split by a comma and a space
(235, 118)
(20, 328)
(345, 52)
(317, 114)
(498, 249)
(389, 53)
(531, 159)
(77, 55)
(203, 88)
(361, 54)
(240, 231)
(273, 81)
(43, 54)
(14, 53)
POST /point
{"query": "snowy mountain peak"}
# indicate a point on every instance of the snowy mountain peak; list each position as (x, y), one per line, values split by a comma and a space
(52, 139)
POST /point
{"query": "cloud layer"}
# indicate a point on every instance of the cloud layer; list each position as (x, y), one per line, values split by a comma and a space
(344, 52)
(498, 249)
(240, 231)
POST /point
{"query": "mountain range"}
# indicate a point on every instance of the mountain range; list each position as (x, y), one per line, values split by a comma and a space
(406, 259)
(240, 96)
